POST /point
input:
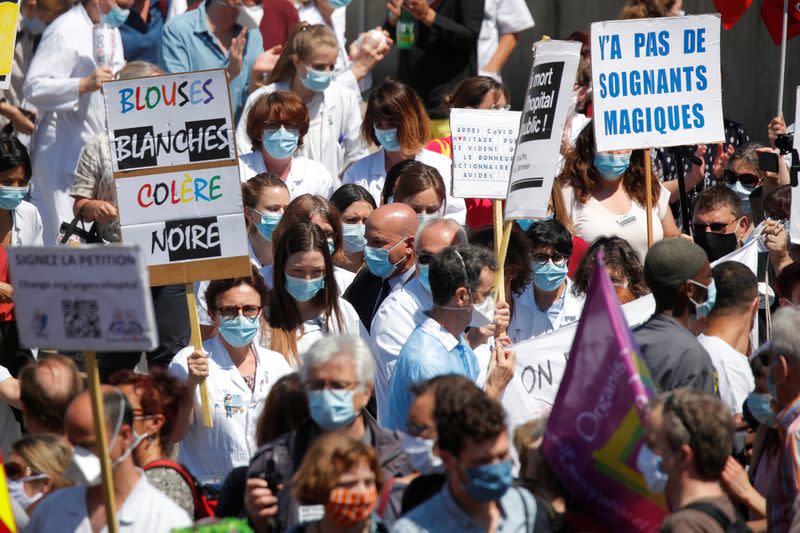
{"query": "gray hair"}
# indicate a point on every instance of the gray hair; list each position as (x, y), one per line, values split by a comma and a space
(326, 348)
(460, 236)
(748, 152)
(785, 339)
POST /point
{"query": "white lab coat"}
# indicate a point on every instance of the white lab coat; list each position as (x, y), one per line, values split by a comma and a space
(67, 119)
(26, 225)
(305, 176)
(334, 134)
(370, 173)
(500, 17)
(541, 323)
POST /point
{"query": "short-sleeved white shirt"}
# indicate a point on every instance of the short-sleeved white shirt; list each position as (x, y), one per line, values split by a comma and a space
(593, 220)
(735, 376)
(211, 453)
(145, 510)
(305, 176)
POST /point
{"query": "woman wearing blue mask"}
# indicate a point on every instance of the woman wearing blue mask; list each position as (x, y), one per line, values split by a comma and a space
(355, 204)
(277, 125)
(604, 194)
(396, 121)
(305, 304)
(239, 373)
(63, 83)
(421, 187)
(306, 68)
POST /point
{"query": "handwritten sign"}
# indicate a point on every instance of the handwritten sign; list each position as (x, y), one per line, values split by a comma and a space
(163, 121)
(90, 298)
(9, 13)
(543, 116)
(483, 151)
(657, 82)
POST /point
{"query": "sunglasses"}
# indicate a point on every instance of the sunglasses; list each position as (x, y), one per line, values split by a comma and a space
(14, 470)
(424, 258)
(715, 227)
(747, 179)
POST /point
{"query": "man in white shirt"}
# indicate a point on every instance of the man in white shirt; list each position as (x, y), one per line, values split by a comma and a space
(727, 334)
(81, 509)
(403, 309)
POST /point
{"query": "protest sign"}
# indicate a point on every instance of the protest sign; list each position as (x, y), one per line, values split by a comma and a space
(90, 298)
(544, 113)
(9, 13)
(483, 150)
(657, 82)
(594, 432)
(175, 119)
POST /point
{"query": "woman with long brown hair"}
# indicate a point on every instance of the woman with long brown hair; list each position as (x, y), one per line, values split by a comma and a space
(604, 195)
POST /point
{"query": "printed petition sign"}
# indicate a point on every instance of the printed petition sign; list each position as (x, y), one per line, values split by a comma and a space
(91, 298)
(546, 104)
(657, 82)
(177, 177)
(483, 150)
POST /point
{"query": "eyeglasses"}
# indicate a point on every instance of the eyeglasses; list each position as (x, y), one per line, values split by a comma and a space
(747, 179)
(321, 384)
(558, 259)
(232, 311)
(424, 258)
(274, 125)
(715, 227)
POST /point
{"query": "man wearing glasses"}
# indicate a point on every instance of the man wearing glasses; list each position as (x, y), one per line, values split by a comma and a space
(550, 295)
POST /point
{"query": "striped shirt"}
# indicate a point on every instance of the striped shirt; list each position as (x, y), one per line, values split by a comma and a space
(782, 494)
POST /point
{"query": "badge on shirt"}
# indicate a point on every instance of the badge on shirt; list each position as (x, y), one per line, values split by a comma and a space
(626, 220)
(310, 513)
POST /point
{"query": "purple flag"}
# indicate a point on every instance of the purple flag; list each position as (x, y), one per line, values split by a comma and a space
(594, 432)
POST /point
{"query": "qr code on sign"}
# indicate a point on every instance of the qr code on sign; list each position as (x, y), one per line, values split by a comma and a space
(81, 319)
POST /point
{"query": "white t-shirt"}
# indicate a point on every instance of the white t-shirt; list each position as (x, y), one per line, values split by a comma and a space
(211, 453)
(735, 376)
(593, 220)
(145, 510)
(499, 18)
(305, 176)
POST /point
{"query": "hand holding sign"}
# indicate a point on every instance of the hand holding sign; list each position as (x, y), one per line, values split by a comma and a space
(95, 80)
(198, 368)
(501, 367)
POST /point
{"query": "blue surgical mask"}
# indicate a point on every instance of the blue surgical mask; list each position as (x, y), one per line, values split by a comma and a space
(354, 239)
(317, 80)
(303, 290)
(425, 218)
(743, 193)
(331, 409)
(704, 308)
(378, 260)
(116, 17)
(489, 482)
(649, 464)
(420, 456)
(388, 139)
(239, 331)
(424, 271)
(11, 197)
(331, 246)
(280, 143)
(269, 221)
(760, 406)
(547, 276)
(339, 3)
(611, 166)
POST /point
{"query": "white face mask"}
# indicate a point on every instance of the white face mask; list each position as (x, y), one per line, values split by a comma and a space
(16, 490)
(482, 313)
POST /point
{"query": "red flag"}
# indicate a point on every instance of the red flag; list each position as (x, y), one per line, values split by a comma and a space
(772, 15)
(731, 10)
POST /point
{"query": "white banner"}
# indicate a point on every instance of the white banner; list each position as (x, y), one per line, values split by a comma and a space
(483, 151)
(177, 195)
(546, 104)
(794, 230)
(91, 298)
(657, 82)
(169, 120)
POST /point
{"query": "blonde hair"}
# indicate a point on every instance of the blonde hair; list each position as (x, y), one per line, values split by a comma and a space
(46, 454)
(138, 69)
(304, 39)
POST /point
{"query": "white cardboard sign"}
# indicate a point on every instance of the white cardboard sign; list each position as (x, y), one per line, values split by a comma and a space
(90, 298)
(546, 104)
(169, 120)
(657, 82)
(483, 151)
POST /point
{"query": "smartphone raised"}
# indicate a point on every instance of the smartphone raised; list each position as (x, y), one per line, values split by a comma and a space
(768, 161)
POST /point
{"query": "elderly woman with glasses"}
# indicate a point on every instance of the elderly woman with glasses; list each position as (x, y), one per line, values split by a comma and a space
(239, 373)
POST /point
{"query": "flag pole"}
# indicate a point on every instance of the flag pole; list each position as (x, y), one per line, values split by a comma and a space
(782, 69)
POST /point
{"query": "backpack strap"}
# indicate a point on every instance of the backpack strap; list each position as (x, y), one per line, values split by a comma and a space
(386, 493)
(711, 510)
(180, 469)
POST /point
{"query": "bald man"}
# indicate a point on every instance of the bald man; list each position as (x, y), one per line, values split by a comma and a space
(403, 310)
(389, 256)
(140, 506)
(48, 386)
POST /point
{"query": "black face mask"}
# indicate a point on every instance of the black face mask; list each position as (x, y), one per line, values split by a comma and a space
(716, 245)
